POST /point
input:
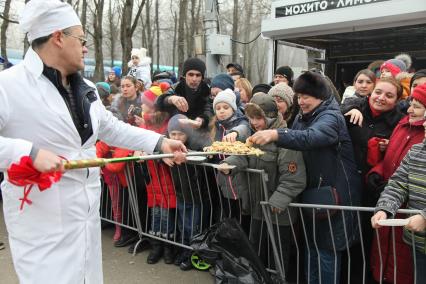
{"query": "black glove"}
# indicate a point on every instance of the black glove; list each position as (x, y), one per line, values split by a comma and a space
(375, 182)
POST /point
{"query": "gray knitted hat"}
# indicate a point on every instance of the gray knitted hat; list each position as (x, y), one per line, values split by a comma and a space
(283, 91)
(175, 124)
(226, 96)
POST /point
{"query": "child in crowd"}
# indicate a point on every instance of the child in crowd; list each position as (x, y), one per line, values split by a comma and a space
(230, 125)
(140, 66)
(392, 67)
(104, 91)
(190, 190)
(160, 189)
(283, 95)
(128, 98)
(286, 174)
(244, 87)
(114, 177)
(112, 78)
(147, 109)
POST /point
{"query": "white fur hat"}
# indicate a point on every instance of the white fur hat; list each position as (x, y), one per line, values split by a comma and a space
(139, 52)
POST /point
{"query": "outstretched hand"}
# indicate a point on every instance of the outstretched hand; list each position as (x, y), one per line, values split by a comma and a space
(180, 103)
(175, 147)
(263, 137)
(355, 117)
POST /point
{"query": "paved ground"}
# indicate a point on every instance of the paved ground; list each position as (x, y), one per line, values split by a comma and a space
(119, 266)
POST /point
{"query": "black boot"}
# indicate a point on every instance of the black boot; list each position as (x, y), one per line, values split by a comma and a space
(169, 254)
(126, 239)
(143, 245)
(179, 257)
(186, 263)
(156, 252)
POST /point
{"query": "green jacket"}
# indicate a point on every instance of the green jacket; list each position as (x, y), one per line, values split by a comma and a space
(284, 172)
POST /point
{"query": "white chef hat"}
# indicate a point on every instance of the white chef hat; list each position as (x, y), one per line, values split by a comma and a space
(43, 17)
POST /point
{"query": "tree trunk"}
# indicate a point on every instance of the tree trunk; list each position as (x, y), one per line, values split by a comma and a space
(127, 28)
(144, 34)
(4, 26)
(181, 33)
(125, 34)
(174, 41)
(190, 34)
(198, 23)
(235, 31)
(112, 32)
(84, 15)
(149, 35)
(157, 23)
(247, 29)
(98, 35)
(26, 42)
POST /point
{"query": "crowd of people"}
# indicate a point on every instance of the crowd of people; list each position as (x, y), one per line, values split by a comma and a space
(365, 150)
(312, 139)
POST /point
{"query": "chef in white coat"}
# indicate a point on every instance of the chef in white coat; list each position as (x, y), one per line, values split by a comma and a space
(48, 111)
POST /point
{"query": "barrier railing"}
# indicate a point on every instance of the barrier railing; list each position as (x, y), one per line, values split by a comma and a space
(353, 257)
(172, 205)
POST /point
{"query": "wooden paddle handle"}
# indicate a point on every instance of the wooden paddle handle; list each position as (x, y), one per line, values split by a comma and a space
(80, 164)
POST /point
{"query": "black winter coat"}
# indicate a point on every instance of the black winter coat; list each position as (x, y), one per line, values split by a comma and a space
(199, 102)
(381, 126)
(324, 140)
(190, 183)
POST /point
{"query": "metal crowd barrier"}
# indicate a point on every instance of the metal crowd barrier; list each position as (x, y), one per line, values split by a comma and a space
(356, 254)
(205, 201)
(163, 216)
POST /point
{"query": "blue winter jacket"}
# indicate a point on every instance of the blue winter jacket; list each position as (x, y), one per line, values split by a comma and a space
(323, 138)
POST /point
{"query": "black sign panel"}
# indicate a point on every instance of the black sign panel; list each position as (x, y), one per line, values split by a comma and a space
(319, 5)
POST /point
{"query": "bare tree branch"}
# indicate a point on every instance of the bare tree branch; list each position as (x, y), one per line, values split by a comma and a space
(138, 14)
(7, 19)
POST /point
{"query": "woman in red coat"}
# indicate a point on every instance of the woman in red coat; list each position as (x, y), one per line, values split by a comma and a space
(408, 132)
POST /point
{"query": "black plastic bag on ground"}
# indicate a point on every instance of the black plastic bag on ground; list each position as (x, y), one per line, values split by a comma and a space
(226, 246)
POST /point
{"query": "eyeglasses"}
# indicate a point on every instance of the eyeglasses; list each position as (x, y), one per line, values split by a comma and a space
(82, 40)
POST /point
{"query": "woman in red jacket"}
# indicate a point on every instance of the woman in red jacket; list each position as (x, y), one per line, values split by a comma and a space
(408, 132)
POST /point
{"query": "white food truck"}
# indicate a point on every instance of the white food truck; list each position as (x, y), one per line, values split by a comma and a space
(344, 36)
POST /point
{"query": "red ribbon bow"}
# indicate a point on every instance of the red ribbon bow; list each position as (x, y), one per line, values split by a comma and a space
(24, 174)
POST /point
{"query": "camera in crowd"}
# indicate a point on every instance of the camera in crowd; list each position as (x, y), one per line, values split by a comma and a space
(135, 111)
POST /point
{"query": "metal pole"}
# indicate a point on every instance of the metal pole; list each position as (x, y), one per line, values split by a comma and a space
(210, 24)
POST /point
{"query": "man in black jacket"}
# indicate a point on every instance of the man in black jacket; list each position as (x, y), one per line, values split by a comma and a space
(190, 96)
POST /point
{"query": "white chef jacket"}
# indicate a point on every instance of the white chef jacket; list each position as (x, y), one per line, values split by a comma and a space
(57, 239)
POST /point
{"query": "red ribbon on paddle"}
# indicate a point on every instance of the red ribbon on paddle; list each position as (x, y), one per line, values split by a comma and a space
(24, 174)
